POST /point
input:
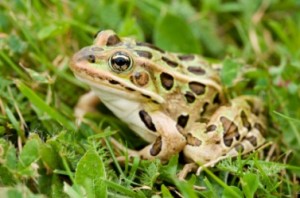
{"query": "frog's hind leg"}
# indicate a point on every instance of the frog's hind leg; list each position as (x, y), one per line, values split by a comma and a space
(166, 141)
(234, 128)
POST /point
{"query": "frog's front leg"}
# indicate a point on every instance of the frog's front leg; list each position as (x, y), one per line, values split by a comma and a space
(235, 128)
(169, 140)
(86, 103)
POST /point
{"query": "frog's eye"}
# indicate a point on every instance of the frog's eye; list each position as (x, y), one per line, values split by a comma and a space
(120, 62)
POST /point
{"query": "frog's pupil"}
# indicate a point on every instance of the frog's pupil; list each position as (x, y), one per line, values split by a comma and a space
(120, 61)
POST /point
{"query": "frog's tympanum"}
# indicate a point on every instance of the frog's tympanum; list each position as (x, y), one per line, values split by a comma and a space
(173, 101)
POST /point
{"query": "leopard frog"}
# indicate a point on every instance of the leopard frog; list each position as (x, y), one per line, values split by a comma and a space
(175, 102)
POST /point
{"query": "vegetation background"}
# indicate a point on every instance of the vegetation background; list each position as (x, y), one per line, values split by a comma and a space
(43, 153)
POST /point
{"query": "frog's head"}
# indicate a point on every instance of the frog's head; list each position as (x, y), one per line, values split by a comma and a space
(120, 66)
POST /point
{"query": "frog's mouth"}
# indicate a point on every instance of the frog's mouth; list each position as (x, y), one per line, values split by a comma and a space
(104, 81)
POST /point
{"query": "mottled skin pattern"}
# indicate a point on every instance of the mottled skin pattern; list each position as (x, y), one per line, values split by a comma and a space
(174, 101)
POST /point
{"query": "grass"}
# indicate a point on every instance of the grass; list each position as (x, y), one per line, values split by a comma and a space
(43, 153)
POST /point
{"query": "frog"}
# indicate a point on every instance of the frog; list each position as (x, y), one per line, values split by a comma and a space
(174, 101)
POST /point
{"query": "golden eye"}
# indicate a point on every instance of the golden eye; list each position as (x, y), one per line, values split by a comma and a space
(120, 62)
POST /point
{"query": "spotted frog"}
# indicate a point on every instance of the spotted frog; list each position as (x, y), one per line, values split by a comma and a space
(175, 102)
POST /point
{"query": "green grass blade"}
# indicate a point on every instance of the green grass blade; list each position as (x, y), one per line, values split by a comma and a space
(13, 65)
(221, 183)
(44, 107)
(120, 188)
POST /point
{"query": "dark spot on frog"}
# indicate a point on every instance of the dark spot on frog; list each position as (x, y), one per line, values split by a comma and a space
(210, 128)
(156, 147)
(140, 78)
(228, 142)
(239, 148)
(169, 62)
(252, 140)
(150, 46)
(154, 101)
(99, 77)
(224, 154)
(250, 103)
(167, 80)
(129, 89)
(197, 87)
(114, 82)
(186, 57)
(190, 98)
(146, 96)
(202, 119)
(260, 128)
(230, 131)
(113, 40)
(193, 141)
(144, 54)
(217, 142)
(204, 108)
(182, 120)
(147, 120)
(253, 108)
(91, 58)
(217, 99)
(245, 121)
(196, 70)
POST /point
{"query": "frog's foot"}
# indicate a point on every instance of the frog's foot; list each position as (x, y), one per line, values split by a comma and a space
(187, 168)
(194, 167)
(209, 164)
(86, 103)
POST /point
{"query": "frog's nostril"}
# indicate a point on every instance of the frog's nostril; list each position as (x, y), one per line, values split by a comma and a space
(91, 58)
